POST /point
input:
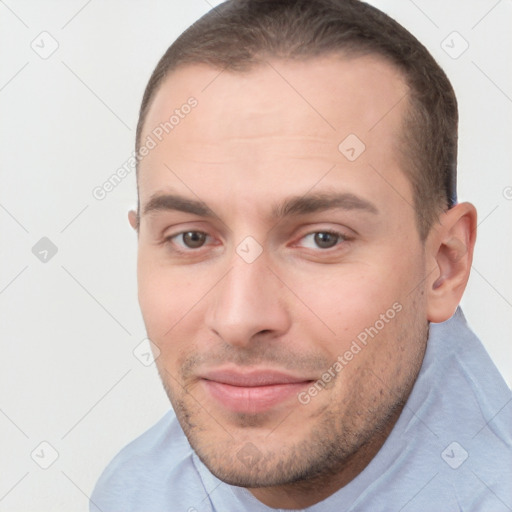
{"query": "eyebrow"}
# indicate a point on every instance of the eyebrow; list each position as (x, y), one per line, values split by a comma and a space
(311, 203)
(166, 202)
(295, 205)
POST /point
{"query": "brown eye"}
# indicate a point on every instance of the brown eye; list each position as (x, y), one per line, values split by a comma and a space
(326, 240)
(193, 239)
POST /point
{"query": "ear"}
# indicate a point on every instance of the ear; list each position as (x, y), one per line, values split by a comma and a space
(133, 219)
(450, 247)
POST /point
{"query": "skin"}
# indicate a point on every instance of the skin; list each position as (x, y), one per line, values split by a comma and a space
(255, 140)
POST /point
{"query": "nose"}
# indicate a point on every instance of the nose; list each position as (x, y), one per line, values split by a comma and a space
(248, 304)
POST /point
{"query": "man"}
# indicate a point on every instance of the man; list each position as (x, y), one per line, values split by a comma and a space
(302, 256)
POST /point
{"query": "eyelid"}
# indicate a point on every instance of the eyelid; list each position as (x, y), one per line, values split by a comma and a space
(346, 234)
(174, 236)
(169, 239)
(179, 228)
(341, 238)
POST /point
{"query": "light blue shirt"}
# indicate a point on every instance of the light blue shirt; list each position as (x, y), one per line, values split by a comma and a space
(450, 450)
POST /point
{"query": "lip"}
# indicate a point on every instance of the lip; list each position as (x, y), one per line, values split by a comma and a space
(254, 391)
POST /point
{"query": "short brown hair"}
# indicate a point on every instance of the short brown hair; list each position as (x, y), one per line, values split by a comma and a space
(240, 34)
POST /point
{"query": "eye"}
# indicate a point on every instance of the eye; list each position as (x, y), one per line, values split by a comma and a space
(322, 240)
(189, 239)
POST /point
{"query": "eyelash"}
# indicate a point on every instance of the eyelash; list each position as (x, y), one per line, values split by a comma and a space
(342, 238)
(169, 239)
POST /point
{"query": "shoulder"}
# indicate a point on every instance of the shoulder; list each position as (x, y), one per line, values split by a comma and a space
(149, 473)
(451, 448)
(464, 408)
(469, 377)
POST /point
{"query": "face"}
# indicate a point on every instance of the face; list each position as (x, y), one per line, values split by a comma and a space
(279, 270)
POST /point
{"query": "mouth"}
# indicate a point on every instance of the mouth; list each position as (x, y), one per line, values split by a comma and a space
(254, 391)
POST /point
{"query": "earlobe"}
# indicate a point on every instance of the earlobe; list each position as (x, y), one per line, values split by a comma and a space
(450, 245)
(133, 219)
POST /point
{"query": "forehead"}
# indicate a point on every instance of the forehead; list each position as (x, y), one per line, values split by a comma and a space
(344, 93)
(280, 117)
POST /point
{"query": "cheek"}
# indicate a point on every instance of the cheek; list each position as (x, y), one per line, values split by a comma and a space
(368, 306)
(166, 297)
(171, 309)
(346, 301)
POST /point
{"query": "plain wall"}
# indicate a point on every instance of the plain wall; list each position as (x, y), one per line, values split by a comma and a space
(68, 375)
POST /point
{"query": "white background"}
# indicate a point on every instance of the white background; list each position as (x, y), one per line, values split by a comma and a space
(67, 372)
